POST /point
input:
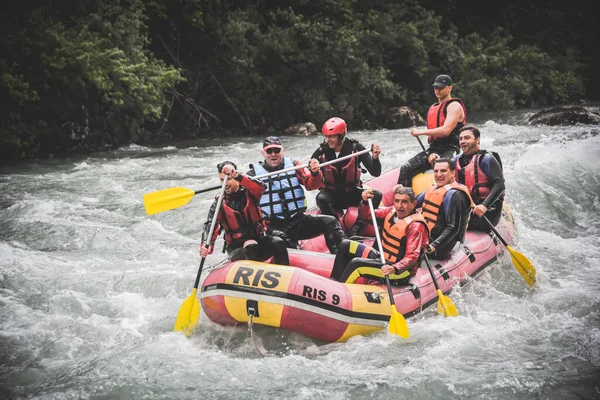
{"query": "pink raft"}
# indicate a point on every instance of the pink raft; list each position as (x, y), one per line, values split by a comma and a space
(303, 299)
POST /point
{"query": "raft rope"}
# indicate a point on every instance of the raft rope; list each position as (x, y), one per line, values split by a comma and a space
(261, 350)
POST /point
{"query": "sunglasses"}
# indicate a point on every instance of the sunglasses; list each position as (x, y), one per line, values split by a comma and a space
(272, 150)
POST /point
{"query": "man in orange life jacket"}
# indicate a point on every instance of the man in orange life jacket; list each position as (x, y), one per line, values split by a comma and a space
(446, 208)
(343, 186)
(284, 201)
(444, 120)
(241, 219)
(481, 172)
(404, 234)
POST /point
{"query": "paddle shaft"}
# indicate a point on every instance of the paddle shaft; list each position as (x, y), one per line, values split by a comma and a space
(212, 228)
(378, 239)
(283, 171)
(421, 143)
(493, 228)
(437, 287)
(207, 189)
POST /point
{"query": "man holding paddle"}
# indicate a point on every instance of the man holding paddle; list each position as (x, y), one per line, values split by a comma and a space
(404, 234)
(481, 172)
(242, 220)
(342, 184)
(444, 120)
(284, 200)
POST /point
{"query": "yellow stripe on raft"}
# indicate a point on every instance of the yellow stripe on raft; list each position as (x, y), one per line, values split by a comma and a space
(261, 276)
(361, 304)
(270, 314)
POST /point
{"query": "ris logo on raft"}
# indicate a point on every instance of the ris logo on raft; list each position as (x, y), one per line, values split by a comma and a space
(256, 277)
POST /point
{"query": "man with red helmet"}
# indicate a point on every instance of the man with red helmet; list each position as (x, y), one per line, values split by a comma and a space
(343, 187)
(444, 120)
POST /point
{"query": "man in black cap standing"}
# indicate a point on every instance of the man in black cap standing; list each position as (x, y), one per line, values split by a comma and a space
(284, 201)
(444, 120)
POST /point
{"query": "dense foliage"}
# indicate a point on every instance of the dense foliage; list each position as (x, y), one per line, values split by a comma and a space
(83, 75)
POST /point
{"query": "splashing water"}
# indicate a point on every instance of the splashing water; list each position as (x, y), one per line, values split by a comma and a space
(90, 286)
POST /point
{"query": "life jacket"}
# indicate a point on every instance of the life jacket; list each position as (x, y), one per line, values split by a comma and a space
(347, 177)
(393, 235)
(284, 197)
(436, 117)
(473, 177)
(241, 225)
(434, 197)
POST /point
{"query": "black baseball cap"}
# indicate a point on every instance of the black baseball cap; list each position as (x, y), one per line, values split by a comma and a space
(272, 141)
(442, 81)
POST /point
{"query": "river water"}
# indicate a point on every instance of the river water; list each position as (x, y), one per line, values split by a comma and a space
(90, 286)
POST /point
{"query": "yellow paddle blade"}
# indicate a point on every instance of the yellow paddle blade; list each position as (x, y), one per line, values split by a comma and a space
(398, 325)
(167, 199)
(447, 305)
(523, 265)
(187, 317)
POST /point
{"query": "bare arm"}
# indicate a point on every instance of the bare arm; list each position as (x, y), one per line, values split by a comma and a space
(454, 114)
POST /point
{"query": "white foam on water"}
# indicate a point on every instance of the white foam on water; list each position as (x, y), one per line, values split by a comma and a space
(90, 286)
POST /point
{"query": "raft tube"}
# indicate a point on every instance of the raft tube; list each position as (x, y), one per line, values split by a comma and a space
(303, 299)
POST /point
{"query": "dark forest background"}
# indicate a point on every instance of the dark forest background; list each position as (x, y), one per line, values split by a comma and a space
(83, 75)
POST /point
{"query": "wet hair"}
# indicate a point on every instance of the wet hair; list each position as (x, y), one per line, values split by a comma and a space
(407, 191)
(451, 163)
(224, 163)
(471, 128)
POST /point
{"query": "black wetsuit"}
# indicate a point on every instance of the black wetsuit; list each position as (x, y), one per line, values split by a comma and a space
(331, 201)
(494, 201)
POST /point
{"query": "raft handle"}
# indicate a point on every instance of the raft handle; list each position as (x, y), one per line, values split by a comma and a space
(252, 308)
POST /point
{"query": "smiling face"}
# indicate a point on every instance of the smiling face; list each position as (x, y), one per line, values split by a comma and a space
(232, 185)
(403, 205)
(469, 144)
(442, 173)
(334, 142)
(273, 155)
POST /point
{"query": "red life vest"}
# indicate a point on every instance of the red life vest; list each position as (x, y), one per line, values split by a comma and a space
(436, 118)
(348, 176)
(474, 178)
(241, 225)
(434, 197)
(393, 235)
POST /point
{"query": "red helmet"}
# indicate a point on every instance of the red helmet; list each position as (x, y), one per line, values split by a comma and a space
(334, 126)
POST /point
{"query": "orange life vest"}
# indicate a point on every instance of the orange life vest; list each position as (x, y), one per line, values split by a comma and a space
(348, 176)
(393, 235)
(241, 225)
(434, 197)
(436, 117)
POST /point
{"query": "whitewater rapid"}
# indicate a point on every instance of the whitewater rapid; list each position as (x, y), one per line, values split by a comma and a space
(90, 286)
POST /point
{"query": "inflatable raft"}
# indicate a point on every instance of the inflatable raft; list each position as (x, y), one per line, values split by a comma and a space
(303, 299)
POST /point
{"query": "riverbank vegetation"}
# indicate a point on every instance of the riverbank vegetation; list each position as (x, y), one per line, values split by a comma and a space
(84, 75)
